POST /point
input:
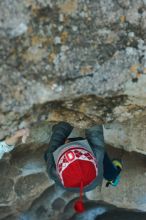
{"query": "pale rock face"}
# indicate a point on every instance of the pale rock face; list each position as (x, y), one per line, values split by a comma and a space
(79, 61)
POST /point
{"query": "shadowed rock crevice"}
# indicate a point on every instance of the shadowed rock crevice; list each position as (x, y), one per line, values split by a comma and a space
(84, 109)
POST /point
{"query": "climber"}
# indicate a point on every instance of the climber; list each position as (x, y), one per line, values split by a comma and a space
(79, 164)
(9, 143)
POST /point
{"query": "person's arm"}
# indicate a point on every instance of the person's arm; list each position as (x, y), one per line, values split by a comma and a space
(95, 137)
(8, 144)
(60, 132)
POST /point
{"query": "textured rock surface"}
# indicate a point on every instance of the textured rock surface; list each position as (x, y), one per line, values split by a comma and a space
(57, 49)
(22, 180)
(79, 61)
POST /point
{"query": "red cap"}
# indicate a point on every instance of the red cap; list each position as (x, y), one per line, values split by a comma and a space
(77, 168)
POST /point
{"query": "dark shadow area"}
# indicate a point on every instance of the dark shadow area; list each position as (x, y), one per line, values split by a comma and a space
(104, 211)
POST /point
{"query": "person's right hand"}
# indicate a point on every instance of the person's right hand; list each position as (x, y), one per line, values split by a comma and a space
(23, 134)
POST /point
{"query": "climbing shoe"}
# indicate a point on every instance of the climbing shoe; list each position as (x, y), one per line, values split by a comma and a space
(119, 166)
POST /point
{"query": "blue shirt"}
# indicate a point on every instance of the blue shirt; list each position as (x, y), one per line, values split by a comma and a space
(5, 148)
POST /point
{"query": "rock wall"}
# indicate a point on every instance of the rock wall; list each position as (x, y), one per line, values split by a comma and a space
(80, 61)
(85, 60)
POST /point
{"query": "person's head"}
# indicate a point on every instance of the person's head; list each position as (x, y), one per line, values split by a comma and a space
(77, 168)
